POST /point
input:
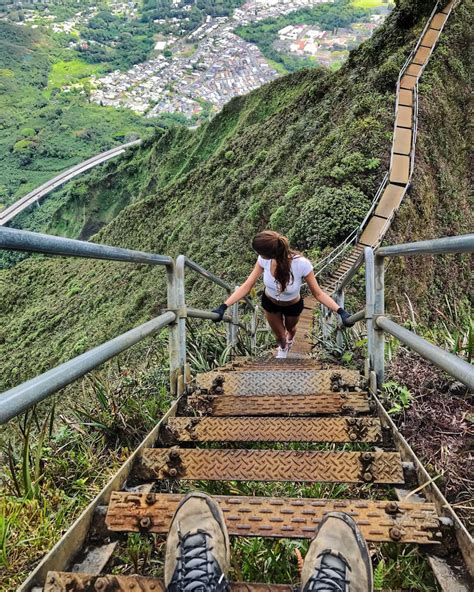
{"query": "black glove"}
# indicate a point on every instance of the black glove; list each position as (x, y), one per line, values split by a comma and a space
(220, 310)
(344, 316)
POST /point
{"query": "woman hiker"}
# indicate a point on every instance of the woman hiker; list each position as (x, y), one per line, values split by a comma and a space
(283, 272)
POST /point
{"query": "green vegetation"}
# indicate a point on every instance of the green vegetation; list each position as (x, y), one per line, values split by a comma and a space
(116, 40)
(44, 131)
(340, 13)
(370, 3)
(67, 72)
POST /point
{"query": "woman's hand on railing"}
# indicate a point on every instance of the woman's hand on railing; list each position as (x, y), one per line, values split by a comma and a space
(220, 310)
(344, 317)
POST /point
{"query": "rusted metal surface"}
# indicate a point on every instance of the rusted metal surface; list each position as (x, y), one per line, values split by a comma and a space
(404, 117)
(270, 465)
(74, 538)
(78, 582)
(439, 21)
(390, 201)
(405, 97)
(326, 403)
(272, 429)
(273, 364)
(282, 517)
(302, 382)
(401, 145)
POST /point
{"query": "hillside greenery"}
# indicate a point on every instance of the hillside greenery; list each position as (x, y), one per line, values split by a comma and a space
(44, 131)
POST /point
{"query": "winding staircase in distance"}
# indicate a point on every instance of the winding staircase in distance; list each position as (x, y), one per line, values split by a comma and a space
(345, 259)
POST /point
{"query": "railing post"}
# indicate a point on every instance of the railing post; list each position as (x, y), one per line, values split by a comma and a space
(173, 346)
(181, 321)
(325, 321)
(369, 305)
(339, 299)
(234, 327)
(253, 330)
(379, 309)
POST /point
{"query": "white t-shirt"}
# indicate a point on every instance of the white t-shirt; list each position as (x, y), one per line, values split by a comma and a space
(300, 268)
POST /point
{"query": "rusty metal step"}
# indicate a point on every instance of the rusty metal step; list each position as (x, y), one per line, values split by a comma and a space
(379, 521)
(271, 429)
(57, 581)
(288, 364)
(322, 404)
(254, 382)
(270, 465)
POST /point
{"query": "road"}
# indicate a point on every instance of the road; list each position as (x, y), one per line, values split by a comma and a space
(59, 180)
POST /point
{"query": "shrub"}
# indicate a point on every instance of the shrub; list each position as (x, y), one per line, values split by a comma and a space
(27, 132)
(279, 219)
(329, 216)
(255, 211)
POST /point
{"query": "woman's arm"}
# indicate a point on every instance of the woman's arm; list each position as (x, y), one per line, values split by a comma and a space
(245, 288)
(319, 294)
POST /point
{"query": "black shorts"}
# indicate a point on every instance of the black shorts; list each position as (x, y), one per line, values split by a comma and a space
(292, 310)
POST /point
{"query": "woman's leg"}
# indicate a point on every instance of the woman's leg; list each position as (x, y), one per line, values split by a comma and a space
(290, 325)
(275, 320)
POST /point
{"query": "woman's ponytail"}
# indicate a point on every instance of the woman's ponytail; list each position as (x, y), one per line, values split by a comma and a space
(283, 263)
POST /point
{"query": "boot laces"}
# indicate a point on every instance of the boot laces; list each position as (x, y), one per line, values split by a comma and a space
(330, 576)
(197, 569)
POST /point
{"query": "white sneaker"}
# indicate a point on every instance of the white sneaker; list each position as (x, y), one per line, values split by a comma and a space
(282, 352)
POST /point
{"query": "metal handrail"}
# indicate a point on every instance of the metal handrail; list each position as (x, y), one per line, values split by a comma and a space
(214, 278)
(451, 244)
(22, 397)
(24, 240)
(450, 363)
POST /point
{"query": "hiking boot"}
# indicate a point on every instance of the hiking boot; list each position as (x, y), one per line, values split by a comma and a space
(198, 548)
(338, 558)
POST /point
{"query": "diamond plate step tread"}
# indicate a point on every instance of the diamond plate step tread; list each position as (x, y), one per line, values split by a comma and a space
(270, 465)
(57, 581)
(275, 363)
(379, 521)
(254, 382)
(271, 429)
(323, 404)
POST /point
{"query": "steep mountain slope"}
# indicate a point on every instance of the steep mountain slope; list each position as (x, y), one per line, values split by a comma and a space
(303, 155)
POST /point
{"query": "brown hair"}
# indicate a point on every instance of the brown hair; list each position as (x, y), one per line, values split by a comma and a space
(272, 245)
